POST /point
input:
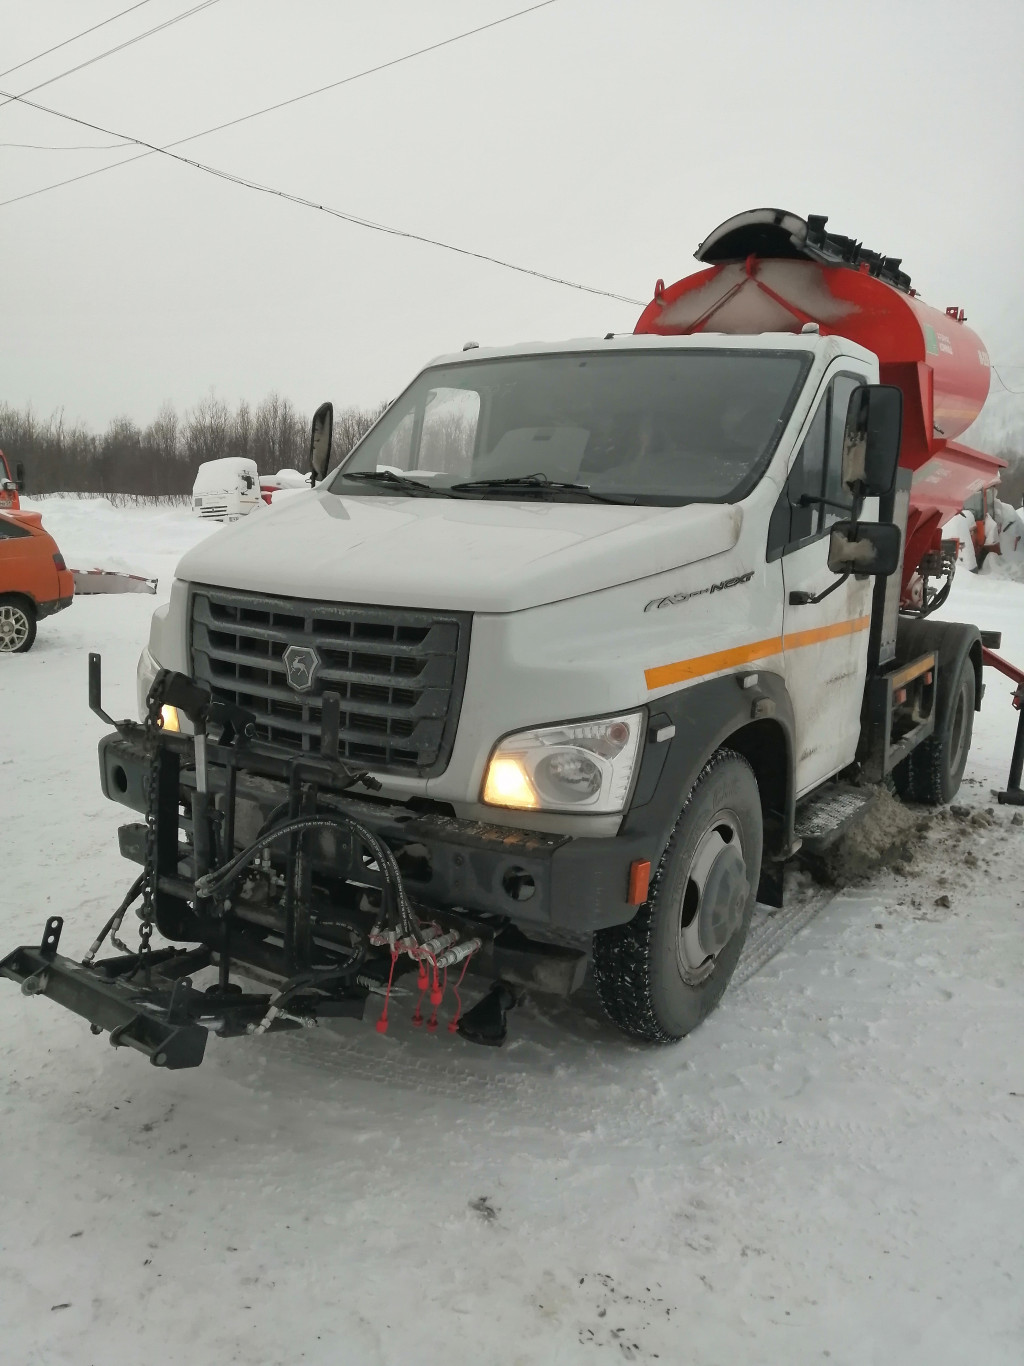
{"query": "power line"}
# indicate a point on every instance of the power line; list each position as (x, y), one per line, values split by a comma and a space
(326, 208)
(270, 108)
(130, 42)
(370, 71)
(74, 38)
(66, 147)
(1003, 381)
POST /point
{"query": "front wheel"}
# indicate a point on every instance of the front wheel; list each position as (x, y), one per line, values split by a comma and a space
(662, 973)
(17, 625)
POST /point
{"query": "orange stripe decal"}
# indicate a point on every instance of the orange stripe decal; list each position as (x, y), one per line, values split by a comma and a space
(684, 670)
(796, 639)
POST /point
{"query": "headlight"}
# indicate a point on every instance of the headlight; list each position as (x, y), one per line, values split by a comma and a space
(146, 672)
(584, 767)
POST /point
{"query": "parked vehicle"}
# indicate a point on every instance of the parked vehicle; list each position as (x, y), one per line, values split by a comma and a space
(286, 481)
(34, 580)
(10, 485)
(226, 489)
(561, 665)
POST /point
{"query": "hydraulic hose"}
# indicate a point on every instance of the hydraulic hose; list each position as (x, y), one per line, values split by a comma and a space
(114, 923)
(219, 880)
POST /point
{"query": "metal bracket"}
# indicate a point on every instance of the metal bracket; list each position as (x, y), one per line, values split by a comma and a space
(799, 598)
(1013, 795)
(96, 689)
(51, 934)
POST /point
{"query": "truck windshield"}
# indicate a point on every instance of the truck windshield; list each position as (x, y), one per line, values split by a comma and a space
(644, 426)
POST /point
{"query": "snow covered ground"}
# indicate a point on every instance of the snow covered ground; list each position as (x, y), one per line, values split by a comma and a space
(829, 1170)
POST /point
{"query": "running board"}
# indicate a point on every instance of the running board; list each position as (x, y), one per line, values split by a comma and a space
(830, 813)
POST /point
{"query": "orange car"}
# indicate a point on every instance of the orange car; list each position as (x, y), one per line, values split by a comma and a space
(34, 580)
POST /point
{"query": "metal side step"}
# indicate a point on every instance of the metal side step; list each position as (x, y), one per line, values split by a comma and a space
(830, 812)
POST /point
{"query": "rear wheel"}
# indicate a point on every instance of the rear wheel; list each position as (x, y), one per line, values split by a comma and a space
(662, 973)
(17, 625)
(933, 772)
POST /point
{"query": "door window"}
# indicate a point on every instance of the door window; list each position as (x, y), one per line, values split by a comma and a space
(816, 473)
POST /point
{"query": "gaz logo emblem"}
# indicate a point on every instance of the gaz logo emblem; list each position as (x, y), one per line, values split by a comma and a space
(302, 664)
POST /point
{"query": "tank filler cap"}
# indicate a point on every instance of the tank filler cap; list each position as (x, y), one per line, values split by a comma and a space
(471, 346)
(810, 327)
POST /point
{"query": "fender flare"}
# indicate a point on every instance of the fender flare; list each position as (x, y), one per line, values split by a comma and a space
(756, 720)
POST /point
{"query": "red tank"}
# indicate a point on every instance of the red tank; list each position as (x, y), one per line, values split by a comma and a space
(771, 271)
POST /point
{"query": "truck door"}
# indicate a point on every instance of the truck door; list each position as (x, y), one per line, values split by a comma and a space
(825, 643)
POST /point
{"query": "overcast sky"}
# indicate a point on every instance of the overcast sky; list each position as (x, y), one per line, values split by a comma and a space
(594, 139)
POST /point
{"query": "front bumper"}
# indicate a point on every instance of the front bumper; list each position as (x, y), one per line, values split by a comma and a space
(568, 884)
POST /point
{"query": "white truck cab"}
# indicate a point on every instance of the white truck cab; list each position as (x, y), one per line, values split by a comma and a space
(657, 573)
(226, 489)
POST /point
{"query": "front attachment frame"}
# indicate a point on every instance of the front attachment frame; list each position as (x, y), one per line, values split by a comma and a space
(165, 1018)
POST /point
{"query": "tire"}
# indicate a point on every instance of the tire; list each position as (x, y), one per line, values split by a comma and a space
(17, 625)
(649, 973)
(933, 772)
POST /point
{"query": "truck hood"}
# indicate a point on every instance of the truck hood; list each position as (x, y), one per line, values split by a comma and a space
(455, 555)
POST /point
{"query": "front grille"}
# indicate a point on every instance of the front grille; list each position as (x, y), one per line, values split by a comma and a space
(399, 674)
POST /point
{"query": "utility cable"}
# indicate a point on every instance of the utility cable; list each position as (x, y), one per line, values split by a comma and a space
(295, 99)
(66, 147)
(325, 208)
(1003, 382)
(74, 38)
(130, 42)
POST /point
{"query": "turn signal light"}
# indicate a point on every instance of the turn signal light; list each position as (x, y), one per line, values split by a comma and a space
(169, 719)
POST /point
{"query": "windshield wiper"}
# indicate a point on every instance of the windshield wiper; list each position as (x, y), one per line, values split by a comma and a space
(531, 483)
(395, 481)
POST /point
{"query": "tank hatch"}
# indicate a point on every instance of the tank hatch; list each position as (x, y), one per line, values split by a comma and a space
(775, 234)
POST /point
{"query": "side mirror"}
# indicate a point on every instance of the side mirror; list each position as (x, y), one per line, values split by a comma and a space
(871, 440)
(865, 548)
(320, 441)
(19, 477)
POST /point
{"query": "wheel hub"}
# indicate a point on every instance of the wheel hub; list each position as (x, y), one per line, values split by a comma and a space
(13, 628)
(723, 902)
(715, 899)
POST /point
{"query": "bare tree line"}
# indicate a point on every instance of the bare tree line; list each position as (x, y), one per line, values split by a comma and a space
(161, 459)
